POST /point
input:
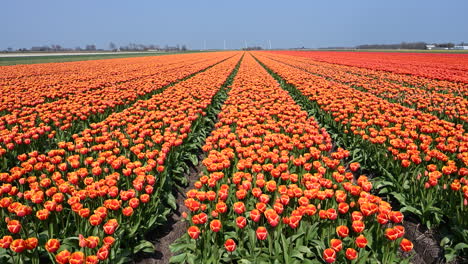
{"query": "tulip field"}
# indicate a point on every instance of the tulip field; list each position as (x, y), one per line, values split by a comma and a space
(297, 156)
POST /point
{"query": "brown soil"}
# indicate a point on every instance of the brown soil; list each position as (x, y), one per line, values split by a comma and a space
(425, 245)
(164, 236)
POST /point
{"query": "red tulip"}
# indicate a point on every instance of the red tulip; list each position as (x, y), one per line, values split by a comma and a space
(215, 225)
(92, 259)
(406, 245)
(14, 226)
(262, 233)
(396, 216)
(52, 245)
(351, 254)
(6, 241)
(31, 243)
(329, 255)
(241, 222)
(77, 258)
(110, 226)
(342, 231)
(391, 234)
(336, 244)
(361, 241)
(103, 252)
(108, 240)
(230, 245)
(18, 245)
(239, 207)
(358, 226)
(193, 232)
(255, 215)
(63, 257)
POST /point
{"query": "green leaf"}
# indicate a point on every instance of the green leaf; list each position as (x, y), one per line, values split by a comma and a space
(277, 247)
(382, 184)
(311, 261)
(411, 209)
(399, 197)
(144, 246)
(406, 185)
(135, 227)
(461, 246)
(182, 247)
(363, 258)
(297, 254)
(123, 260)
(293, 238)
(445, 241)
(450, 254)
(383, 191)
(190, 258)
(193, 159)
(171, 201)
(304, 249)
(178, 259)
(370, 241)
(285, 247)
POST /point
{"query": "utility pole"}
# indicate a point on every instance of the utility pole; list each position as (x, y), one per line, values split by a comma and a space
(269, 41)
(224, 44)
(204, 44)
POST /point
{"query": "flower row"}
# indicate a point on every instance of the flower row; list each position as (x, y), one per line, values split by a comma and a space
(422, 160)
(34, 125)
(273, 188)
(449, 67)
(24, 86)
(93, 197)
(411, 80)
(446, 106)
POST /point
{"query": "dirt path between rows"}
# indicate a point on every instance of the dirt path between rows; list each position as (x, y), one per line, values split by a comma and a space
(173, 229)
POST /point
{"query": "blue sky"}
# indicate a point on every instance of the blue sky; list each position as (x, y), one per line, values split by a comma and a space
(287, 24)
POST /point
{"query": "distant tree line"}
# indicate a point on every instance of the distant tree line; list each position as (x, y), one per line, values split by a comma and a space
(403, 45)
(253, 48)
(142, 47)
(92, 47)
(409, 45)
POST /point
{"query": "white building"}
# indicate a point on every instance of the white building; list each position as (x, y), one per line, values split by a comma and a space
(461, 47)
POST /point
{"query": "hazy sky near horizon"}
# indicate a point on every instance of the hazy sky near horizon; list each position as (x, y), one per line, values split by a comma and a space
(288, 24)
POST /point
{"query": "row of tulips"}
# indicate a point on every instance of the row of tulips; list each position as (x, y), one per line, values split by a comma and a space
(448, 67)
(92, 199)
(445, 106)
(422, 160)
(50, 82)
(273, 189)
(41, 126)
(442, 86)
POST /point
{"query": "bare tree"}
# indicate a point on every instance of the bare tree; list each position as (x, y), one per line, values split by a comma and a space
(91, 47)
(112, 46)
